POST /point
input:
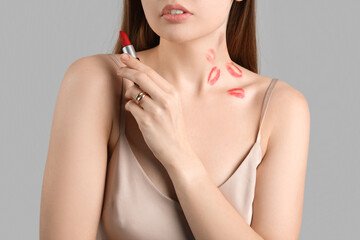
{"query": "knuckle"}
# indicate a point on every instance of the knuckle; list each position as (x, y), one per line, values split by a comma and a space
(157, 112)
(165, 103)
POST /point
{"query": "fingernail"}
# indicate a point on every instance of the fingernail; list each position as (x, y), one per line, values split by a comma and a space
(125, 57)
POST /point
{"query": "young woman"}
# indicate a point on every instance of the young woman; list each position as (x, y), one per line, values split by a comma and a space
(212, 150)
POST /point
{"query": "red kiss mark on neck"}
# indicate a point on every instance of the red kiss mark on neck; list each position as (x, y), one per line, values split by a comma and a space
(237, 92)
(211, 56)
(235, 73)
(214, 75)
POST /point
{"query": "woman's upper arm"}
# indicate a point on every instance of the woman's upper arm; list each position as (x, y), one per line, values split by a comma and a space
(280, 182)
(75, 170)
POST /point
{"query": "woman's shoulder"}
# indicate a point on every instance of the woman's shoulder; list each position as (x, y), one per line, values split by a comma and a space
(99, 63)
(285, 101)
(287, 104)
(286, 97)
(95, 76)
(283, 93)
(287, 110)
(97, 69)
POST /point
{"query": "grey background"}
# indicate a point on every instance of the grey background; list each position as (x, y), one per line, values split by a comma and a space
(313, 46)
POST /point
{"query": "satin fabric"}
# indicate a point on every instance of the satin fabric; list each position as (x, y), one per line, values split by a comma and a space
(134, 209)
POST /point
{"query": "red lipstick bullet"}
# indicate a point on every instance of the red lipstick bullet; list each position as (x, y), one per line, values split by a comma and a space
(127, 46)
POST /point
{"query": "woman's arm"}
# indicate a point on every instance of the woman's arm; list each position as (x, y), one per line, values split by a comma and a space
(280, 182)
(75, 170)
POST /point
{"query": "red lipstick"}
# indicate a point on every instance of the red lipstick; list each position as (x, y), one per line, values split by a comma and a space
(127, 46)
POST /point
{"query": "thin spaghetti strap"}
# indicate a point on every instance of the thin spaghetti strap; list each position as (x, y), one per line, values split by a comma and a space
(122, 112)
(265, 104)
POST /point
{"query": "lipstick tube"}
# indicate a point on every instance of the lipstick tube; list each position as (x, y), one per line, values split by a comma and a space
(129, 49)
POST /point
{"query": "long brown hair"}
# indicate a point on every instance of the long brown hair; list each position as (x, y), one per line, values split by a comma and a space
(240, 32)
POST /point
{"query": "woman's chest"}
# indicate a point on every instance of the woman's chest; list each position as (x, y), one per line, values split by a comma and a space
(220, 136)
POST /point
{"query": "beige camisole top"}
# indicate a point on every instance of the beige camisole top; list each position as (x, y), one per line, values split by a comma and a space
(133, 208)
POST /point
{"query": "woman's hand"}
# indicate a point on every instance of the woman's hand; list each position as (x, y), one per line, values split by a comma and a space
(159, 113)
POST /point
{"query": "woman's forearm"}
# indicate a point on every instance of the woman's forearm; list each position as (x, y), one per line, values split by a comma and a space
(209, 214)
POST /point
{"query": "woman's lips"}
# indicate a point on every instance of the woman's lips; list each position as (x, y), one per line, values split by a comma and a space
(174, 6)
(237, 92)
(176, 17)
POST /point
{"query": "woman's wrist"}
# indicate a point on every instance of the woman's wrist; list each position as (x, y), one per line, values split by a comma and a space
(186, 168)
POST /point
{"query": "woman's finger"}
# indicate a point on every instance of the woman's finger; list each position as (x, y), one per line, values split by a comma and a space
(133, 63)
(138, 113)
(145, 103)
(146, 84)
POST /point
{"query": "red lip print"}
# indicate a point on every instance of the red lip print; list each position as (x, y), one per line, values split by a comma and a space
(230, 66)
(237, 92)
(214, 71)
(211, 56)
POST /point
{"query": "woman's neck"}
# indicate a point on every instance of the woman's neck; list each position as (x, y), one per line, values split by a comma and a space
(194, 67)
